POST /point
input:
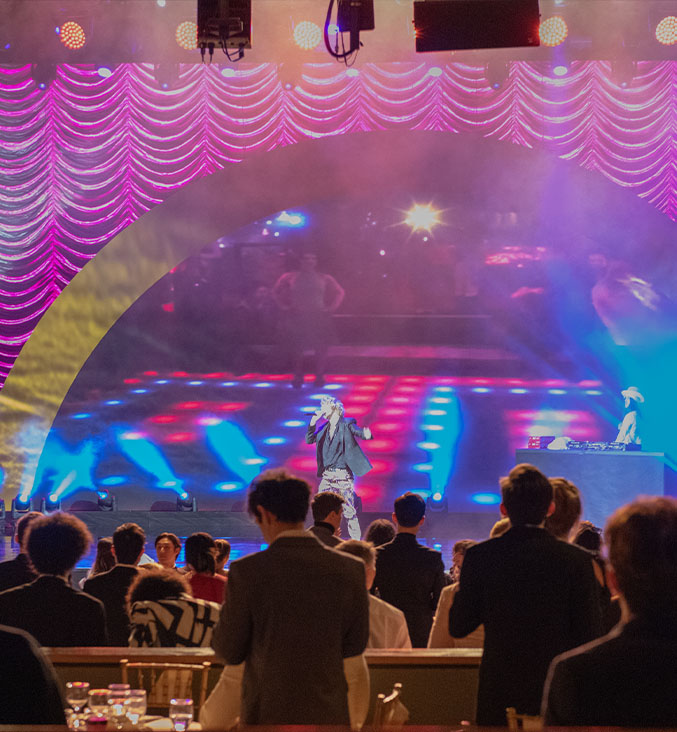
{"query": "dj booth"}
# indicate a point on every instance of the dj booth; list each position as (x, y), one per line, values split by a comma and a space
(606, 479)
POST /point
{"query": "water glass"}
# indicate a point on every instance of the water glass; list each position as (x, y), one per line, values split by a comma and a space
(118, 706)
(77, 693)
(119, 688)
(181, 713)
(98, 702)
(137, 705)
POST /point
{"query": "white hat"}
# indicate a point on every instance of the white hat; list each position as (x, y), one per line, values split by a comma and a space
(632, 392)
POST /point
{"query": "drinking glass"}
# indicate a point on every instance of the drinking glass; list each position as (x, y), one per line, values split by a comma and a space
(137, 706)
(119, 688)
(181, 713)
(76, 694)
(118, 706)
(98, 702)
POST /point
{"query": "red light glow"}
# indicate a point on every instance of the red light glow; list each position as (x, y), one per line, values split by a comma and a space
(164, 419)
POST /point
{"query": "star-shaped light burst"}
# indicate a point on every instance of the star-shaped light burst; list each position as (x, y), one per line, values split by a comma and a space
(422, 217)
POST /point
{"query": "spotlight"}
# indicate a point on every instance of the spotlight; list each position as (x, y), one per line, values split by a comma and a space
(666, 31)
(553, 31)
(186, 35)
(497, 74)
(104, 71)
(50, 504)
(186, 502)
(72, 35)
(307, 35)
(21, 505)
(422, 217)
(436, 501)
(106, 501)
(560, 70)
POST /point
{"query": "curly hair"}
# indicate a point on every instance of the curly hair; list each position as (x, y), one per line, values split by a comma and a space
(56, 542)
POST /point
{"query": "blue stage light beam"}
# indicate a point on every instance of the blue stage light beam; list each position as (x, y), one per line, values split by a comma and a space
(65, 470)
(148, 456)
(234, 450)
(441, 444)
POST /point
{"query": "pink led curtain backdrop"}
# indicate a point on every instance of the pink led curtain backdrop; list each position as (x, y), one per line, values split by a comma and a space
(87, 156)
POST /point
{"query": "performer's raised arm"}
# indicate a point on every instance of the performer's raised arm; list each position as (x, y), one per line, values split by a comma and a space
(311, 436)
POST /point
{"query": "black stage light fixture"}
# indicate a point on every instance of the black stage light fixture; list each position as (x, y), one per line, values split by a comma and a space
(352, 16)
(224, 24)
(455, 25)
(436, 502)
(106, 501)
(50, 504)
(186, 502)
(21, 506)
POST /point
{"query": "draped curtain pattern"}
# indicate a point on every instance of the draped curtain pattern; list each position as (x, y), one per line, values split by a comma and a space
(85, 157)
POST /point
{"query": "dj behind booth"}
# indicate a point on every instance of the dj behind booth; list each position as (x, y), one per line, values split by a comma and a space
(608, 474)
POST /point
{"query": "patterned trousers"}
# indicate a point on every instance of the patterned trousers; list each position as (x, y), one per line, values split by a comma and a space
(341, 481)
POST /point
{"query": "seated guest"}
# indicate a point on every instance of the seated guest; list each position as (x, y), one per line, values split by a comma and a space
(104, 560)
(223, 552)
(163, 613)
(167, 550)
(111, 587)
(409, 575)
(387, 624)
(567, 499)
(439, 633)
(49, 608)
(18, 571)
(627, 678)
(30, 691)
(380, 531)
(327, 510)
(201, 561)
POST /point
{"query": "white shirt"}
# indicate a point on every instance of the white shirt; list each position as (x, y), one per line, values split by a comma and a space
(387, 626)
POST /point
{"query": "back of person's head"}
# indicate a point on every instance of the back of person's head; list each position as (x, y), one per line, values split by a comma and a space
(22, 525)
(157, 584)
(200, 553)
(380, 531)
(173, 538)
(325, 503)
(364, 550)
(568, 508)
(527, 495)
(128, 542)
(589, 537)
(222, 550)
(499, 528)
(282, 494)
(105, 559)
(642, 541)
(56, 542)
(409, 509)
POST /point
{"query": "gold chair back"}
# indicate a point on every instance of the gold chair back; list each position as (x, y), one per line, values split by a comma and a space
(527, 722)
(390, 713)
(166, 681)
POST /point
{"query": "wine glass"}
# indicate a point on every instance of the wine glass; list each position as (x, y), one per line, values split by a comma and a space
(118, 706)
(119, 688)
(137, 706)
(98, 702)
(181, 713)
(77, 693)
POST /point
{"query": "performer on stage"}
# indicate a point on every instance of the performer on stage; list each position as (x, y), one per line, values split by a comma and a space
(339, 456)
(628, 429)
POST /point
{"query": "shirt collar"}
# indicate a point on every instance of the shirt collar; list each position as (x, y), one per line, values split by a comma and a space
(293, 534)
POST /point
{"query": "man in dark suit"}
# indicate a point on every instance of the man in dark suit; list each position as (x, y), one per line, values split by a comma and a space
(111, 587)
(327, 510)
(18, 571)
(49, 608)
(409, 575)
(297, 614)
(535, 595)
(627, 678)
(30, 692)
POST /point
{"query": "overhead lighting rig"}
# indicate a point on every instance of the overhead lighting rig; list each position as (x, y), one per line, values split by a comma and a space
(224, 24)
(352, 16)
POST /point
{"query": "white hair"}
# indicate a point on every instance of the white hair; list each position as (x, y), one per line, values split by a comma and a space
(335, 403)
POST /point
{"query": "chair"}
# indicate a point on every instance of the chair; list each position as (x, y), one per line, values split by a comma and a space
(166, 681)
(390, 713)
(528, 722)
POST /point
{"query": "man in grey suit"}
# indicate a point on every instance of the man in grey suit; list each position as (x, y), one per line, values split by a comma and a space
(297, 614)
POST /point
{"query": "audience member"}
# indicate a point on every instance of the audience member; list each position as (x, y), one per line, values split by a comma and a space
(29, 692)
(222, 554)
(439, 633)
(111, 587)
(567, 499)
(535, 595)
(164, 614)
(167, 550)
(297, 614)
(500, 527)
(49, 608)
(387, 624)
(380, 531)
(201, 560)
(18, 571)
(409, 575)
(327, 510)
(627, 678)
(104, 560)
